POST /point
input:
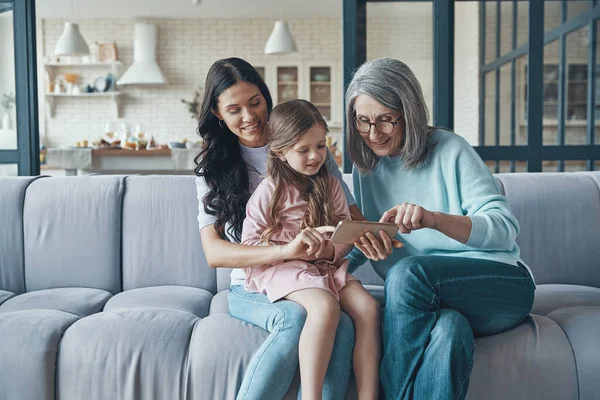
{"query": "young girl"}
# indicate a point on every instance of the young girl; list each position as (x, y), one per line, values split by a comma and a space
(300, 198)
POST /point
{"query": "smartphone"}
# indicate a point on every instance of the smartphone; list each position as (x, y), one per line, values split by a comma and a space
(348, 232)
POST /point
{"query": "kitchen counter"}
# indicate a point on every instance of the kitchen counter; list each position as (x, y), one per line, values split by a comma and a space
(77, 160)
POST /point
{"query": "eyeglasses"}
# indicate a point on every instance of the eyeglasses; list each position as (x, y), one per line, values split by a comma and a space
(385, 127)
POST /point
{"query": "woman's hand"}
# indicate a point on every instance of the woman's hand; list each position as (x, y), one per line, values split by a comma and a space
(375, 248)
(409, 217)
(310, 244)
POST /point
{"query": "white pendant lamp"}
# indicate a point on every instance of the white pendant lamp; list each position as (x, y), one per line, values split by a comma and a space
(281, 40)
(71, 43)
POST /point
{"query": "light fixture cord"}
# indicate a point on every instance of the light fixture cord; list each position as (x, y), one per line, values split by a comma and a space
(281, 10)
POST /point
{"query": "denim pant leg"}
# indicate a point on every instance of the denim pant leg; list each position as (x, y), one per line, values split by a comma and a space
(274, 364)
(434, 307)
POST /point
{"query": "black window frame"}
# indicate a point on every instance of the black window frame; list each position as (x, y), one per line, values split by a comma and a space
(534, 153)
(27, 154)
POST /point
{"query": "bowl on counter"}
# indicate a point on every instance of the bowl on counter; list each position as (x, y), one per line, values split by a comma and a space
(177, 145)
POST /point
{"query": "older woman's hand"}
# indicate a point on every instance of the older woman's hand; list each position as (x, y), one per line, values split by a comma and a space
(375, 248)
(409, 217)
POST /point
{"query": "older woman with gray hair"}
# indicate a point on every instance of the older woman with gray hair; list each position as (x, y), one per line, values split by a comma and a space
(459, 274)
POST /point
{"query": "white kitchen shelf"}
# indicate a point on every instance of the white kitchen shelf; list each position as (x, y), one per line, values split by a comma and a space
(51, 99)
(114, 67)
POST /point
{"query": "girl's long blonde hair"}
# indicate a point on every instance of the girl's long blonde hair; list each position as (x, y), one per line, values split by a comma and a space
(288, 122)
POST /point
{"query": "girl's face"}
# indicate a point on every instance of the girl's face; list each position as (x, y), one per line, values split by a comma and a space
(388, 142)
(244, 109)
(309, 153)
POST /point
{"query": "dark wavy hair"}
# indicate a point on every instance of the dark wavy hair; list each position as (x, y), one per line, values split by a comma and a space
(220, 161)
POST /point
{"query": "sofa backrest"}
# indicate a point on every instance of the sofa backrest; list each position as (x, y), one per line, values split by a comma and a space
(72, 232)
(12, 263)
(161, 242)
(559, 217)
(115, 233)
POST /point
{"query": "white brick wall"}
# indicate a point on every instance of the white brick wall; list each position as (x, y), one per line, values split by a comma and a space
(406, 35)
(187, 48)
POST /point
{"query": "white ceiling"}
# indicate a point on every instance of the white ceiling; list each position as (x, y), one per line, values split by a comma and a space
(211, 9)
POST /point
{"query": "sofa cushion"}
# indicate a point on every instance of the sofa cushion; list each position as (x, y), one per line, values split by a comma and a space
(582, 326)
(12, 275)
(127, 353)
(367, 276)
(593, 175)
(28, 350)
(532, 361)
(161, 242)
(4, 295)
(551, 297)
(77, 301)
(220, 303)
(221, 348)
(72, 230)
(223, 280)
(183, 298)
(559, 216)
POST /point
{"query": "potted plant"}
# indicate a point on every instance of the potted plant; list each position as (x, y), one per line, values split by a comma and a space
(7, 103)
(194, 105)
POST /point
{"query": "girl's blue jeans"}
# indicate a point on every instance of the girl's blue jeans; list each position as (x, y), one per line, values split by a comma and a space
(274, 364)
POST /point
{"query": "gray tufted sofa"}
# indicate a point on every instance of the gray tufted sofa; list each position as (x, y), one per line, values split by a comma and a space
(105, 294)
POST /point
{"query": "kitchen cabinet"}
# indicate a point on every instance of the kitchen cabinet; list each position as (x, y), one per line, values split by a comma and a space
(316, 81)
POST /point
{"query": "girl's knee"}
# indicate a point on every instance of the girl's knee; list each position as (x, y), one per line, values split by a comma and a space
(326, 307)
(368, 312)
(373, 311)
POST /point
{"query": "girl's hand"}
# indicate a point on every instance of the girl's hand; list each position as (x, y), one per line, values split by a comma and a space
(409, 217)
(375, 248)
(310, 244)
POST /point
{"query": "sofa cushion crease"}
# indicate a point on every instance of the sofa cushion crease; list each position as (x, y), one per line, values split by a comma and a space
(184, 298)
(12, 197)
(4, 295)
(220, 303)
(77, 301)
(551, 297)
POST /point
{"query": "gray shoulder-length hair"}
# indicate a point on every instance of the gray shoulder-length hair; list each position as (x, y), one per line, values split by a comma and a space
(394, 85)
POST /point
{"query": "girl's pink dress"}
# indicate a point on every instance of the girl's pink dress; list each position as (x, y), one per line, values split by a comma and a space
(281, 278)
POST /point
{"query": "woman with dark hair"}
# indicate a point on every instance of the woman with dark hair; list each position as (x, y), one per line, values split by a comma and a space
(231, 164)
(459, 273)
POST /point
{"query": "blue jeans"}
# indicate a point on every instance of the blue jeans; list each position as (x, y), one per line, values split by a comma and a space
(274, 364)
(434, 307)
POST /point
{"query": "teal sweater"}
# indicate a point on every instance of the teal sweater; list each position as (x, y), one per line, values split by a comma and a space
(454, 180)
